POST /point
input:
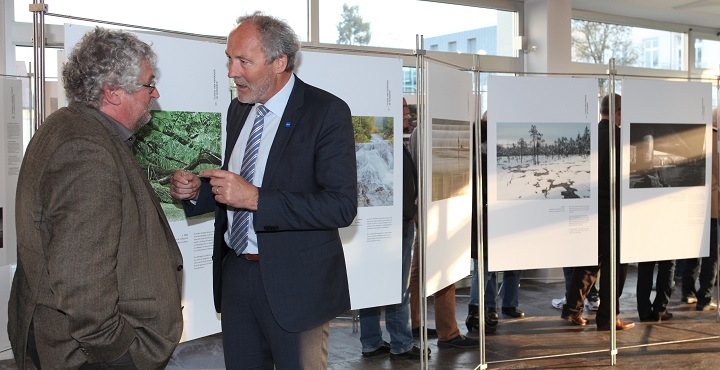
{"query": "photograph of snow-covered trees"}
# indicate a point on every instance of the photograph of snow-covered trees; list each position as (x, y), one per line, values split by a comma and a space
(450, 158)
(374, 140)
(667, 155)
(543, 160)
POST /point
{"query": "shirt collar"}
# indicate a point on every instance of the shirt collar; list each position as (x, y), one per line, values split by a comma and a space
(277, 103)
(126, 135)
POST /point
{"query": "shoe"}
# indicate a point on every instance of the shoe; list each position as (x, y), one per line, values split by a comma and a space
(655, 317)
(513, 312)
(491, 320)
(619, 325)
(592, 305)
(558, 303)
(492, 313)
(575, 319)
(490, 329)
(689, 300)
(473, 318)
(706, 307)
(413, 352)
(460, 341)
(431, 333)
(384, 349)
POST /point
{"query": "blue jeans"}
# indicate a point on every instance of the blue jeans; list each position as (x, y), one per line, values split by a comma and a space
(510, 290)
(397, 316)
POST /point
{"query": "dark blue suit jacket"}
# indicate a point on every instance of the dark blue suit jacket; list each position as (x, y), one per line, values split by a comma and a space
(309, 190)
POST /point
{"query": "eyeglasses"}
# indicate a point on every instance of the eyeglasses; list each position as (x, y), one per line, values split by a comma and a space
(151, 87)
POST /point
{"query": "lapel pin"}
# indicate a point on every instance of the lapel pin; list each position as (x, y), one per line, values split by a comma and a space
(287, 124)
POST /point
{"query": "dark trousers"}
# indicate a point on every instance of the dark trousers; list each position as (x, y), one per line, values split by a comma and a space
(252, 339)
(663, 287)
(704, 269)
(583, 278)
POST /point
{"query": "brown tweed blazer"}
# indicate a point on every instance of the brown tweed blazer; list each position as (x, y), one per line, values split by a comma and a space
(99, 272)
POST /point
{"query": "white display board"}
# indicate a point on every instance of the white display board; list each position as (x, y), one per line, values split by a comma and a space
(191, 77)
(11, 152)
(10, 159)
(666, 170)
(372, 87)
(542, 172)
(448, 175)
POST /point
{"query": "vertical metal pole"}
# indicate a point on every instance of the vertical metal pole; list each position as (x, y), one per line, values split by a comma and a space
(613, 217)
(717, 245)
(422, 149)
(479, 210)
(39, 9)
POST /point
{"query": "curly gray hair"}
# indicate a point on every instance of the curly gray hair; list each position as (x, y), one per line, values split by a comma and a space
(278, 38)
(104, 56)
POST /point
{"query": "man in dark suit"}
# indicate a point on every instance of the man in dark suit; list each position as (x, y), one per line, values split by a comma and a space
(99, 274)
(278, 262)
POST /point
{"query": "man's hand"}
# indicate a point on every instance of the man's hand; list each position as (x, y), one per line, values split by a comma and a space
(184, 185)
(231, 189)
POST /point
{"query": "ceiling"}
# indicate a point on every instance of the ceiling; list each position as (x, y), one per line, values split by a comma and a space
(704, 13)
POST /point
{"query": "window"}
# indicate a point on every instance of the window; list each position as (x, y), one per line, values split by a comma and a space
(201, 18)
(471, 46)
(707, 54)
(650, 50)
(441, 25)
(452, 46)
(597, 42)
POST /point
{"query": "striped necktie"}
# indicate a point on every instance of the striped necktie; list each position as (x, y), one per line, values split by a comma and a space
(241, 221)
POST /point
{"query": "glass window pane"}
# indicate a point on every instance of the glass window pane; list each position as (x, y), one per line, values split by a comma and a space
(596, 42)
(707, 54)
(24, 54)
(443, 26)
(206, 18)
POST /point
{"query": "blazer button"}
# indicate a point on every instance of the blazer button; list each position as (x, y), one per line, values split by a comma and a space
(180, 267)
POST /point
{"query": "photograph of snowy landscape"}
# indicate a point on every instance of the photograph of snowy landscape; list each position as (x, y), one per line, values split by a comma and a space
(543, 160)
(374, 140)
(450, 158)
(667, 155)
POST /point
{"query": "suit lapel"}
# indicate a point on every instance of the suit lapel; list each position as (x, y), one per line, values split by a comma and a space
(290, 119)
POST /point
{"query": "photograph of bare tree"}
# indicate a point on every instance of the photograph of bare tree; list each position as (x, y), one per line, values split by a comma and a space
(667, 155)
(450, 158)
(543, 160)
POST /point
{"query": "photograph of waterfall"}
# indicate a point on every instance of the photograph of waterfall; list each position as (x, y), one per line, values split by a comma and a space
(543, 161)
(374, 140)
(667, 155)
(450, 158)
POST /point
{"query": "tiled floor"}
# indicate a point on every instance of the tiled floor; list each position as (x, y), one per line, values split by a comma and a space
(540, 341)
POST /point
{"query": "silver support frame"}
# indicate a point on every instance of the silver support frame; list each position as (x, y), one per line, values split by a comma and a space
(423, 159)
(717, 245)
(39, 8)
(479, 210)
(613, 216)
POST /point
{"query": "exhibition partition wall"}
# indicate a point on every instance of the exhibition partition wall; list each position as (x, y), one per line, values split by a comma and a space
(666, 170)
(11, 117)
(372, 87)
(448, 196)
(542, 172)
